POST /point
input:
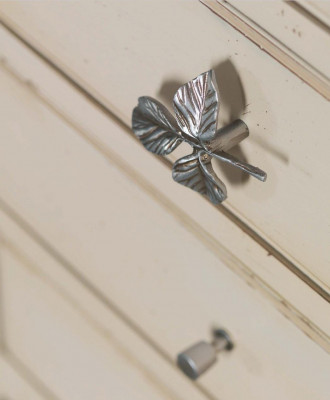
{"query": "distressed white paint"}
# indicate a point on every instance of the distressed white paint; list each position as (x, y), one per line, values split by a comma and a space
(290, 27)
(319, 9)
(14, 387)
(72, 351)
(121, 50)
(110, 226)
(50, 93)
(79, 348)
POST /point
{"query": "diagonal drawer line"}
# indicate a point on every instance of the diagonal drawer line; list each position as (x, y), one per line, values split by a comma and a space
(28, 376)
(308, 327)
(271, 46)
(222, 208)
(90, 319)
(223, 253)
(74, 271)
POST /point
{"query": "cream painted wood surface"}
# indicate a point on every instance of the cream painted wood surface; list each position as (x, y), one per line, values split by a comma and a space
(29, 194)
(272, 45)
(14, 387)
(78, 348)
(297, 31)
(121, 50)
(320, 9)
(166, 283)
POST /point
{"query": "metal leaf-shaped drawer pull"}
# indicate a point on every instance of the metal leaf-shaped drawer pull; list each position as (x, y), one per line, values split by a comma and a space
(196, 106)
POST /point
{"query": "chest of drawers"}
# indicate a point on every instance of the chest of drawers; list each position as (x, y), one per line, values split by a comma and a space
(109, 268)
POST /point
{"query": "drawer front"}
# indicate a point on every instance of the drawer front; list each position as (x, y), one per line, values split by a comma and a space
(81, 202)
(244, 255)
(73, 345)
(297, 36)
(118, 51)
(77, 345)
(14, 387)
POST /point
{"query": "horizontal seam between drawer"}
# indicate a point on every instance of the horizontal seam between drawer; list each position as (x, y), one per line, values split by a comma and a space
(83, 280)
(237, 266)
(28, 376)
(100, 328)
(316, 80)
(272, 251)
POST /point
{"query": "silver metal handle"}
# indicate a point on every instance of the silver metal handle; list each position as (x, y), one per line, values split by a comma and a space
(196, 106)
(197, 358)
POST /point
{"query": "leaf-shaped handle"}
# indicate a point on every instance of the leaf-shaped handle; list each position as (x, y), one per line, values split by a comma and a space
(196, 106)
(154, 125)
(195, 171)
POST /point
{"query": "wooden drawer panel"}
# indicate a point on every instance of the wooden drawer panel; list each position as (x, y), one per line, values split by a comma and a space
(298, 33)
(75, 350)
(83, 205)
(120, 50)
(14, 387)
(77, 346)
(51, 94)
(319, 9)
